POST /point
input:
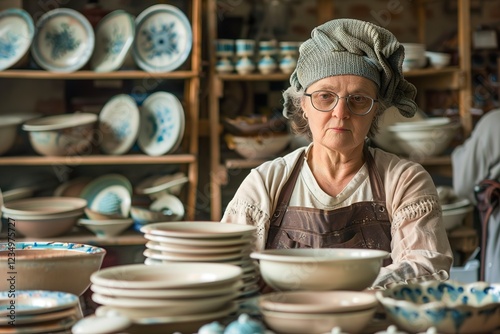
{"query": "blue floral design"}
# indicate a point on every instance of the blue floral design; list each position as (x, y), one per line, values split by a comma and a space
(115, 42)
(9, 45)
(161, 41)
(62, 41)
(161, 124)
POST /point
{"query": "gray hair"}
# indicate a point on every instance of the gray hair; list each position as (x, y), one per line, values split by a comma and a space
(300, 125)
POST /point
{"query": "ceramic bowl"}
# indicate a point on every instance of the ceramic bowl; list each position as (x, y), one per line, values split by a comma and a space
(8, 132)
(423, 141)
(450, 307)
(106, 228)
(60, 135)
(96, 215)
(313, 269)
(453, 218)
(262, 146)
(315, 302)
(317, 323)
(438, 59)
(57, 266)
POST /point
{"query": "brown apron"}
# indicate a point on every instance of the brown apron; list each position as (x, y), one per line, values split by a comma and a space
(360, 225)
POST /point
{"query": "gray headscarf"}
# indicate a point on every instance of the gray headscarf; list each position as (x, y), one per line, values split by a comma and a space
(348, 46)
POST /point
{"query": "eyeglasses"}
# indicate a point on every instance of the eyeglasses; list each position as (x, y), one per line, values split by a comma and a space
(324, 100)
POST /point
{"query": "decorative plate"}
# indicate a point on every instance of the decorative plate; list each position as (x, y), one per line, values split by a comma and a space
(109, 194)
(163, 38)
(36, 301)
(42, 317)
(162, 124)
(114, 36)
(159, 185)
(119, 124)
(64, 40)
(17, 34)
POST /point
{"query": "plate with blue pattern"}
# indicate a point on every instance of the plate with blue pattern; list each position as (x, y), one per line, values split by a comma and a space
(64, 41)
(113, 39)
(119, 124)
(163, 38)
(162, 124)
(35, 301)
(109, 194)
(17, 31)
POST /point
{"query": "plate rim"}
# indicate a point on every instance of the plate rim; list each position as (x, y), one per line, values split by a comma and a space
(26, 17)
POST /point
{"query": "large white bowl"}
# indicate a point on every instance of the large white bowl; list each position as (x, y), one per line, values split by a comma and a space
(55, 266)
(59, 135)
(455, 217)
(261, 146)
(319, 269)
(450, 307)
(422, 142)
(438, 59)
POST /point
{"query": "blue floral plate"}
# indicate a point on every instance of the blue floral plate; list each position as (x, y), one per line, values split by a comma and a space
(17, 31)
(64, 41)
(163, 39)
(114, 36)
(162, 124)
(119, 124)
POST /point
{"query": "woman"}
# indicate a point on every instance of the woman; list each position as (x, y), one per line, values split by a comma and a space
(337, 192)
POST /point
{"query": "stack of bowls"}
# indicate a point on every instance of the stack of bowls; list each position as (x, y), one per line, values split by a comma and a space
(318, 271)
(208, 242)
(318, 311)
(44, 217)
(174, 294)
(38, 311)
(425, 138)
(414, 56)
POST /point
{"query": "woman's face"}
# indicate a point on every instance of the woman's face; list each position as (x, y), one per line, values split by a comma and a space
(339, 129)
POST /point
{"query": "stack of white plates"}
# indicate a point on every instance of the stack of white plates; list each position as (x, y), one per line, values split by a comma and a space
(174, 294)
(208, 242)
(38, 311)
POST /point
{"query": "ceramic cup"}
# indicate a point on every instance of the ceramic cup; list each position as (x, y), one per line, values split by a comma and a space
(245, 47)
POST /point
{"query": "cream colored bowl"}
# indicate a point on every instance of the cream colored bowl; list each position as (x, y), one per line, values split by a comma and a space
(319, 269)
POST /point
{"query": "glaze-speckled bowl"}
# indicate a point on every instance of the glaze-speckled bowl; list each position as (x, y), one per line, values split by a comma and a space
(450, 307)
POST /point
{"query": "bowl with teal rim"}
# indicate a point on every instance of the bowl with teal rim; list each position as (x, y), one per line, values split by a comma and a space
(53, 266)
(450, 306)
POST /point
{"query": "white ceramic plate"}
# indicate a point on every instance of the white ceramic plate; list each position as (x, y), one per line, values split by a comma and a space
(162, 124)
(113, 199)
(160, 184)
(114, 37)
(17, 31)
(29, 302)
(37, 318)
(53, 326)
(64, 40)
(107, 187)
(197, 242)
(173, 275)
(138, 319)
(196, 250)
(119, 122)
(170, 205)
(199, 230)
(168, 293)
(163, 38)
(162, 255)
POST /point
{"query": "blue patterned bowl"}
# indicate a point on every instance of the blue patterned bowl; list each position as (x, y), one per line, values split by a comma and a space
(450, 307)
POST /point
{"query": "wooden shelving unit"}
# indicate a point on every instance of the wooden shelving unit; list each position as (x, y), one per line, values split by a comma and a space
(189, 79)
(452, 77)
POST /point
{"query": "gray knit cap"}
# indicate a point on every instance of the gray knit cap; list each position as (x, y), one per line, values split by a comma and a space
(348, 46)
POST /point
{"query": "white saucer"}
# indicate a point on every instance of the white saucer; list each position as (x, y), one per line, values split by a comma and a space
(17, 31)
(64, 40)
(119, 124)
(30, 302)
(162, 124)
(163, 38)
(114, 37)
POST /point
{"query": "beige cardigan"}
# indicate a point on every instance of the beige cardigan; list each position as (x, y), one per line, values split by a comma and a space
(420, 246)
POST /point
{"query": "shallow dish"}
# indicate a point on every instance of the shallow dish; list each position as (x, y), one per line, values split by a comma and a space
(43, 206)
(260, 146)
(42, 317)
(300, 323)
(162, 124)
(156, 186)
(317, 301)
(163, 38)
(450, 307)
(173, 275)
(70, 265)
(453, 218)
(30, 302)
(200, 230)
(313, 269)
(106, 228)
(17, 29)
(114, 37)
(159, 246)
(199, 242)
(179, 257)
(119, 124)
(64, 40)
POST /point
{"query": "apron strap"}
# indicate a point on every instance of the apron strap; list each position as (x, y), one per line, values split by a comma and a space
(375, 179)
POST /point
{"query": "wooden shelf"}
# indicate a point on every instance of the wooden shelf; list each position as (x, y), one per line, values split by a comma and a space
(130, 159)
(91, 75)
(129, 238)
(432, 71)
(254, 77)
